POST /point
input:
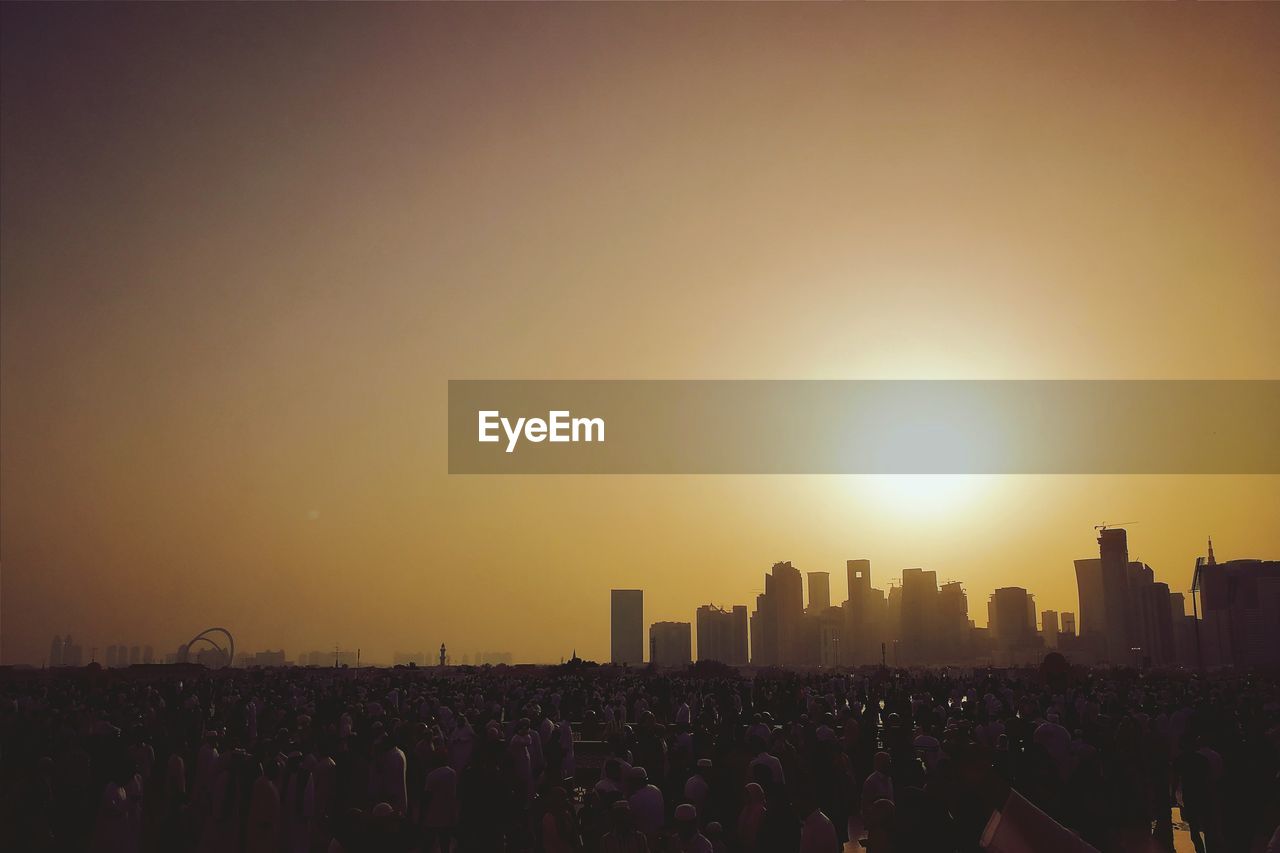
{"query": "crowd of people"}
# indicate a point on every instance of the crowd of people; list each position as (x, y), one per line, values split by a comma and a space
(585, 758)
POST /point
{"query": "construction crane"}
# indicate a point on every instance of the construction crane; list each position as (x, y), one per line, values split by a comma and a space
(1113, 524)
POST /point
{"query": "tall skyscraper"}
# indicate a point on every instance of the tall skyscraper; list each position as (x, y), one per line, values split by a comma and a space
(1240, 606)
(866, 616)
(1068, 627)
(819, 591)
(722, 634)
(1011, 617)
(670, 644)
(919, 625)
(953, 623)
(1049, 628)
(1105, 599)
(626, 626)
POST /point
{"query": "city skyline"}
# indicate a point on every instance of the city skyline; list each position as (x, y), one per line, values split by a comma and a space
(246, 248)
(635, 642)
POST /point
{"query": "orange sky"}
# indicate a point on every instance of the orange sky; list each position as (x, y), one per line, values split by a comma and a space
(245, 247)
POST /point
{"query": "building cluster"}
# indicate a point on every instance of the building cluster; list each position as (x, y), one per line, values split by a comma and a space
(1126, 618)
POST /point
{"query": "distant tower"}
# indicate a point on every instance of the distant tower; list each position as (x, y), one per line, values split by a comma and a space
(1212, 561)
(443, 657)
(55, 651)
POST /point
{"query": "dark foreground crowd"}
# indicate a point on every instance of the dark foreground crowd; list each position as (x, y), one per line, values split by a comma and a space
(584, 758)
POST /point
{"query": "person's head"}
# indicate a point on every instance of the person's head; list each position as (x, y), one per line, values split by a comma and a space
(704, 767)
(755, 794)
(637, 778)
(686, 820)
(883, 762)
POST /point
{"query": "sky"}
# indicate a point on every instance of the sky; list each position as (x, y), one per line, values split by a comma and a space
(244, 247)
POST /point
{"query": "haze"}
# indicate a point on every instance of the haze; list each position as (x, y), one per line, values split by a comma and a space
(245, 247)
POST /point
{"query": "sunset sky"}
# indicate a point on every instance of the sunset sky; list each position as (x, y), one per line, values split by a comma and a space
(244, 248)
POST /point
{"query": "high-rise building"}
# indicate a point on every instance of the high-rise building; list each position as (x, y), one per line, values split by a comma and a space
(55, 651)
(1049, 628)
(1107, 609)
(1011, 617)
(670, 644)
(722, 634)
(866, 616)
(626, 627)
(1068, 626)
(1240, 608)
(778, 629)
(819, 591)
(919, 641)
(953, 624)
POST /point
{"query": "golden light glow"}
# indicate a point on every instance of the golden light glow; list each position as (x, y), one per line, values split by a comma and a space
(246, 246)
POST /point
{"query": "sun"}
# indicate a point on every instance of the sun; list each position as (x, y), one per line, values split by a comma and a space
(923, 494)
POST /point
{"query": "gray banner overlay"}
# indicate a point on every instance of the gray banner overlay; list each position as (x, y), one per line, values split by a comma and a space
(865, 427)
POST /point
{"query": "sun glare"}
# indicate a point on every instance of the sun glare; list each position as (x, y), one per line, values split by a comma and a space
(934, 494)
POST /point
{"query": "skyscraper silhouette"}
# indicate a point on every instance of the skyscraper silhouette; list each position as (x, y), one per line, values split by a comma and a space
(819, 591)
(626, 626)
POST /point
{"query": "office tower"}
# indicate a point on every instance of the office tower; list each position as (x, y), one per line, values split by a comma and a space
(777, 631)
(1011, 617)
(866, 615)
(1105, 600)
(715, 633)
(55, 651)
(722, 634)
(626, 628)
(1113, 551)
(858, 574)
(785, 588)
(1240, 606)
(819, 591)
(1068, 624)
(670, 644)
(953, 623)
(1049, 628)
(919, 641)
